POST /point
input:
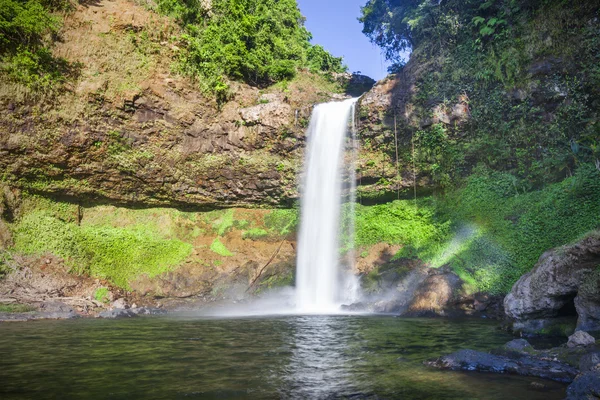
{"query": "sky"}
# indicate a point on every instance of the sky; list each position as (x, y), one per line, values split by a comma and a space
(334, 25)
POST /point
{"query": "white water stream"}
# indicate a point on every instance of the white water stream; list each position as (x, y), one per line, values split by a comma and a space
(320, 285)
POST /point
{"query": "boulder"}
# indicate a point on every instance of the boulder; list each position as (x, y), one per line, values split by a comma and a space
(585, 386)
(580, 338)
(551, 288)
(518, 345)
(436, 294)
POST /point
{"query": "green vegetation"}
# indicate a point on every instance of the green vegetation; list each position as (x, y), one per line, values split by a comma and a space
(528, 72)
(490, 231)
(118, 254)
(101, 295)
(5, 259)
(220, 248)
(255, 234)
(27, 29)
(224, 224)
(283, 222)
(16, 308)
(257, 41)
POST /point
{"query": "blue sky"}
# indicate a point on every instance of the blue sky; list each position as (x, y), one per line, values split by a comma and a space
(334, 26)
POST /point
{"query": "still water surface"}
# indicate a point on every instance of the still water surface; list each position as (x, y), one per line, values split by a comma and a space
(291, 357)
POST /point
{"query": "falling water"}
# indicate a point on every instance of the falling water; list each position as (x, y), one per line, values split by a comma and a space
(319, 284)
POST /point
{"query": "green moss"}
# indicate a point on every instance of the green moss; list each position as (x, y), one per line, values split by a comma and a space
(220, 248)
(282, 222)
(16, 308)
(224, 224)
(101, 295)
(255, 234)
(118, 254)
(241, 224)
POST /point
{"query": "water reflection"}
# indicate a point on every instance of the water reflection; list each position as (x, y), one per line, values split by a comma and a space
(321, 365)
(291, 357)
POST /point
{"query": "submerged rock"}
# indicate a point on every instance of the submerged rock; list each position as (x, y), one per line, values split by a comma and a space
(519, 345)
(130, 312)
(520, 364)
(117, 313)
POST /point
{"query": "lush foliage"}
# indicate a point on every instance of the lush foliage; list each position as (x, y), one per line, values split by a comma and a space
(526, 72)
(257, 41)
(399, 222)
(255, 234)
(490, 231)
(26, 30)
(512, 228)
(118, 254)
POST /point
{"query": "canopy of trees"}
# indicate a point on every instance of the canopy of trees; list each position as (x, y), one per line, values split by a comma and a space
(256, 41)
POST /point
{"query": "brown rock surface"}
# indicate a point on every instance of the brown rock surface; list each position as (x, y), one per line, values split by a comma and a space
(556, 283)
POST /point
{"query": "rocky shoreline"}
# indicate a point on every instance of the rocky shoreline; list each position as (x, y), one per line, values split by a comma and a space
(577, 362)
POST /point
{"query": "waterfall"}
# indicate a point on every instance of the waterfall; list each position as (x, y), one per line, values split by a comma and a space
(319, 281)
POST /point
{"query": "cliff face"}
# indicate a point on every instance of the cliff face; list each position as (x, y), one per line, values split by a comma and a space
(522, 99)
(130, 131)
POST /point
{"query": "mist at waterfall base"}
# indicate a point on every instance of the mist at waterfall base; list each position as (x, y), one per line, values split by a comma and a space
(323, 282)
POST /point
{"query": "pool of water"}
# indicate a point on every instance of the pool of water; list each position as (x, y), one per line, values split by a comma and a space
(288, 357)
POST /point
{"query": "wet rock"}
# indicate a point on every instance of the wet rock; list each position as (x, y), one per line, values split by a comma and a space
(580, 338)
(589, 362)
(550, 289)
(585, 386)
(518, 345)
(46, 310)
(56, 310)
(117, 313)
(148, 311)
(471, 360)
